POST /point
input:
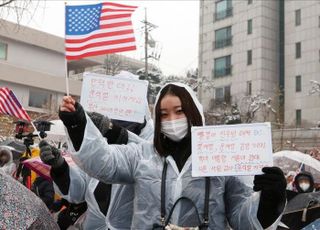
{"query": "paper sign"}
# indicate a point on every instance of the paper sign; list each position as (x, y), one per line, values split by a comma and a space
(117, 97)
(231, 150)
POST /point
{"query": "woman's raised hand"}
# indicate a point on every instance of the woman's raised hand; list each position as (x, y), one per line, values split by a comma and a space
(68, 104)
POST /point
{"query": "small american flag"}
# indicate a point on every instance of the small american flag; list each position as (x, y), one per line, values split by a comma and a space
(98, 29)
(10, 105)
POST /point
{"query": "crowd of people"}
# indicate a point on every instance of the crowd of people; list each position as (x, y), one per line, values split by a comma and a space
(138, 176)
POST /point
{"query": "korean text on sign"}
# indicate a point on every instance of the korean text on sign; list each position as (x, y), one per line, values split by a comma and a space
(231, 150)
(117, 97)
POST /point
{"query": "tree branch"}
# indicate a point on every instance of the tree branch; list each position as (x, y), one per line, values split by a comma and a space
(6, 3)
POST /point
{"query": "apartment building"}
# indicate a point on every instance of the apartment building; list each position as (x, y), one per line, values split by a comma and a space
(302, 62)
(271, 48)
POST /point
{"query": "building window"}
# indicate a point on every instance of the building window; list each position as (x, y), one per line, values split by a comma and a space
(223, 9)
(298, 117)
(3, 51)
(222, 95)
(298, 17)
(249, 57)
(250, 26)
(222, 66)
(298, 83)
(249, 88)
(40, 99)
(223, 37)
(298, 50)
(249, 2)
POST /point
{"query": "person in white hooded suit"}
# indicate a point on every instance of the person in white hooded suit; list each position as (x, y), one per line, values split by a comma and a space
(109, 207)
(165, 191)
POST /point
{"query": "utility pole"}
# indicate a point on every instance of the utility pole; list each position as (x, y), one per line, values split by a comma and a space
(146, 43)
(148, 26)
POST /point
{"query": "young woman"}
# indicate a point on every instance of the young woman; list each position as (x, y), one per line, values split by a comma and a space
(165, 191)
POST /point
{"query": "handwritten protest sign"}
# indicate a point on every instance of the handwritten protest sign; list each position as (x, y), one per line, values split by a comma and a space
(117, 97)
(231, 150)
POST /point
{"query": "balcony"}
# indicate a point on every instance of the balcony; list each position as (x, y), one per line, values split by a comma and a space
(222, 72)
(222, 43)
(223, 14)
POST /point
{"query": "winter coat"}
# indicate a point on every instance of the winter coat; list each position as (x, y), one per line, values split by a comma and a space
(119, 207)
(141, 166)
(9, 167)
(22, 209)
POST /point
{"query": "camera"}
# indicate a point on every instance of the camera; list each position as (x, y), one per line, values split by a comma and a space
(23, 130)
(42, 127)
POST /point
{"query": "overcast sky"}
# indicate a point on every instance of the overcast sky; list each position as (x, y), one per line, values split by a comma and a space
(177, 32)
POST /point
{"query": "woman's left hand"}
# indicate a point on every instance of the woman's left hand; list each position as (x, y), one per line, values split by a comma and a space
(272, 185)
(272, 180)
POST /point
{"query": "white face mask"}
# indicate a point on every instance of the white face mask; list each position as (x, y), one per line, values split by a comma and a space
(176, 130)
(304, 186)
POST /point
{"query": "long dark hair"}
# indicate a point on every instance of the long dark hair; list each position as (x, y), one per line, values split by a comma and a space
(188, 106)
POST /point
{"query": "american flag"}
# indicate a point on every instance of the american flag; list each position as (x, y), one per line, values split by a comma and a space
(10, 105)
(98, 29)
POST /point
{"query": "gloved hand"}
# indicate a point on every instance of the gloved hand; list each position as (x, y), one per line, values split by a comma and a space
(50, 155)
(272, 185)
(101, 122)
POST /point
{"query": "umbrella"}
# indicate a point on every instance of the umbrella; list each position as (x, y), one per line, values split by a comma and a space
(302, 210)
(292, 160)
(57, 132)
(313, 226)
(15, 146)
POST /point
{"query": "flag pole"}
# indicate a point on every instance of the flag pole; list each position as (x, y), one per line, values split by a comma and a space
(65, 57)
(35, 129)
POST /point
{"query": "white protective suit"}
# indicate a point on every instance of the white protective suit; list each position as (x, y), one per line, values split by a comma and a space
(140, 165)
(120, 211)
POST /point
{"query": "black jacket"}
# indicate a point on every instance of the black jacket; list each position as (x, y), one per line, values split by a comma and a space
(44, 189)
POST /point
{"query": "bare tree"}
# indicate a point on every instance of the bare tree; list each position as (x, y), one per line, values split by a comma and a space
(19, 8)
(250, 105)
(112, 64)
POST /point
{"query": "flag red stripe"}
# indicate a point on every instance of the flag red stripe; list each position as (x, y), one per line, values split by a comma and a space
(108, 34)
(10, 105)
(117, 24)
(15, 104)
(4, 99)
(106, 4)
(96, 44)
(3, 107)
(116, 10)
(2, 110)
(100, 52)
(13, 107)
(109, 17)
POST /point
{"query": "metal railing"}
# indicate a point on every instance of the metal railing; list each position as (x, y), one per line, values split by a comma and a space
(218, 44)
(223, 14)
(222, 72)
